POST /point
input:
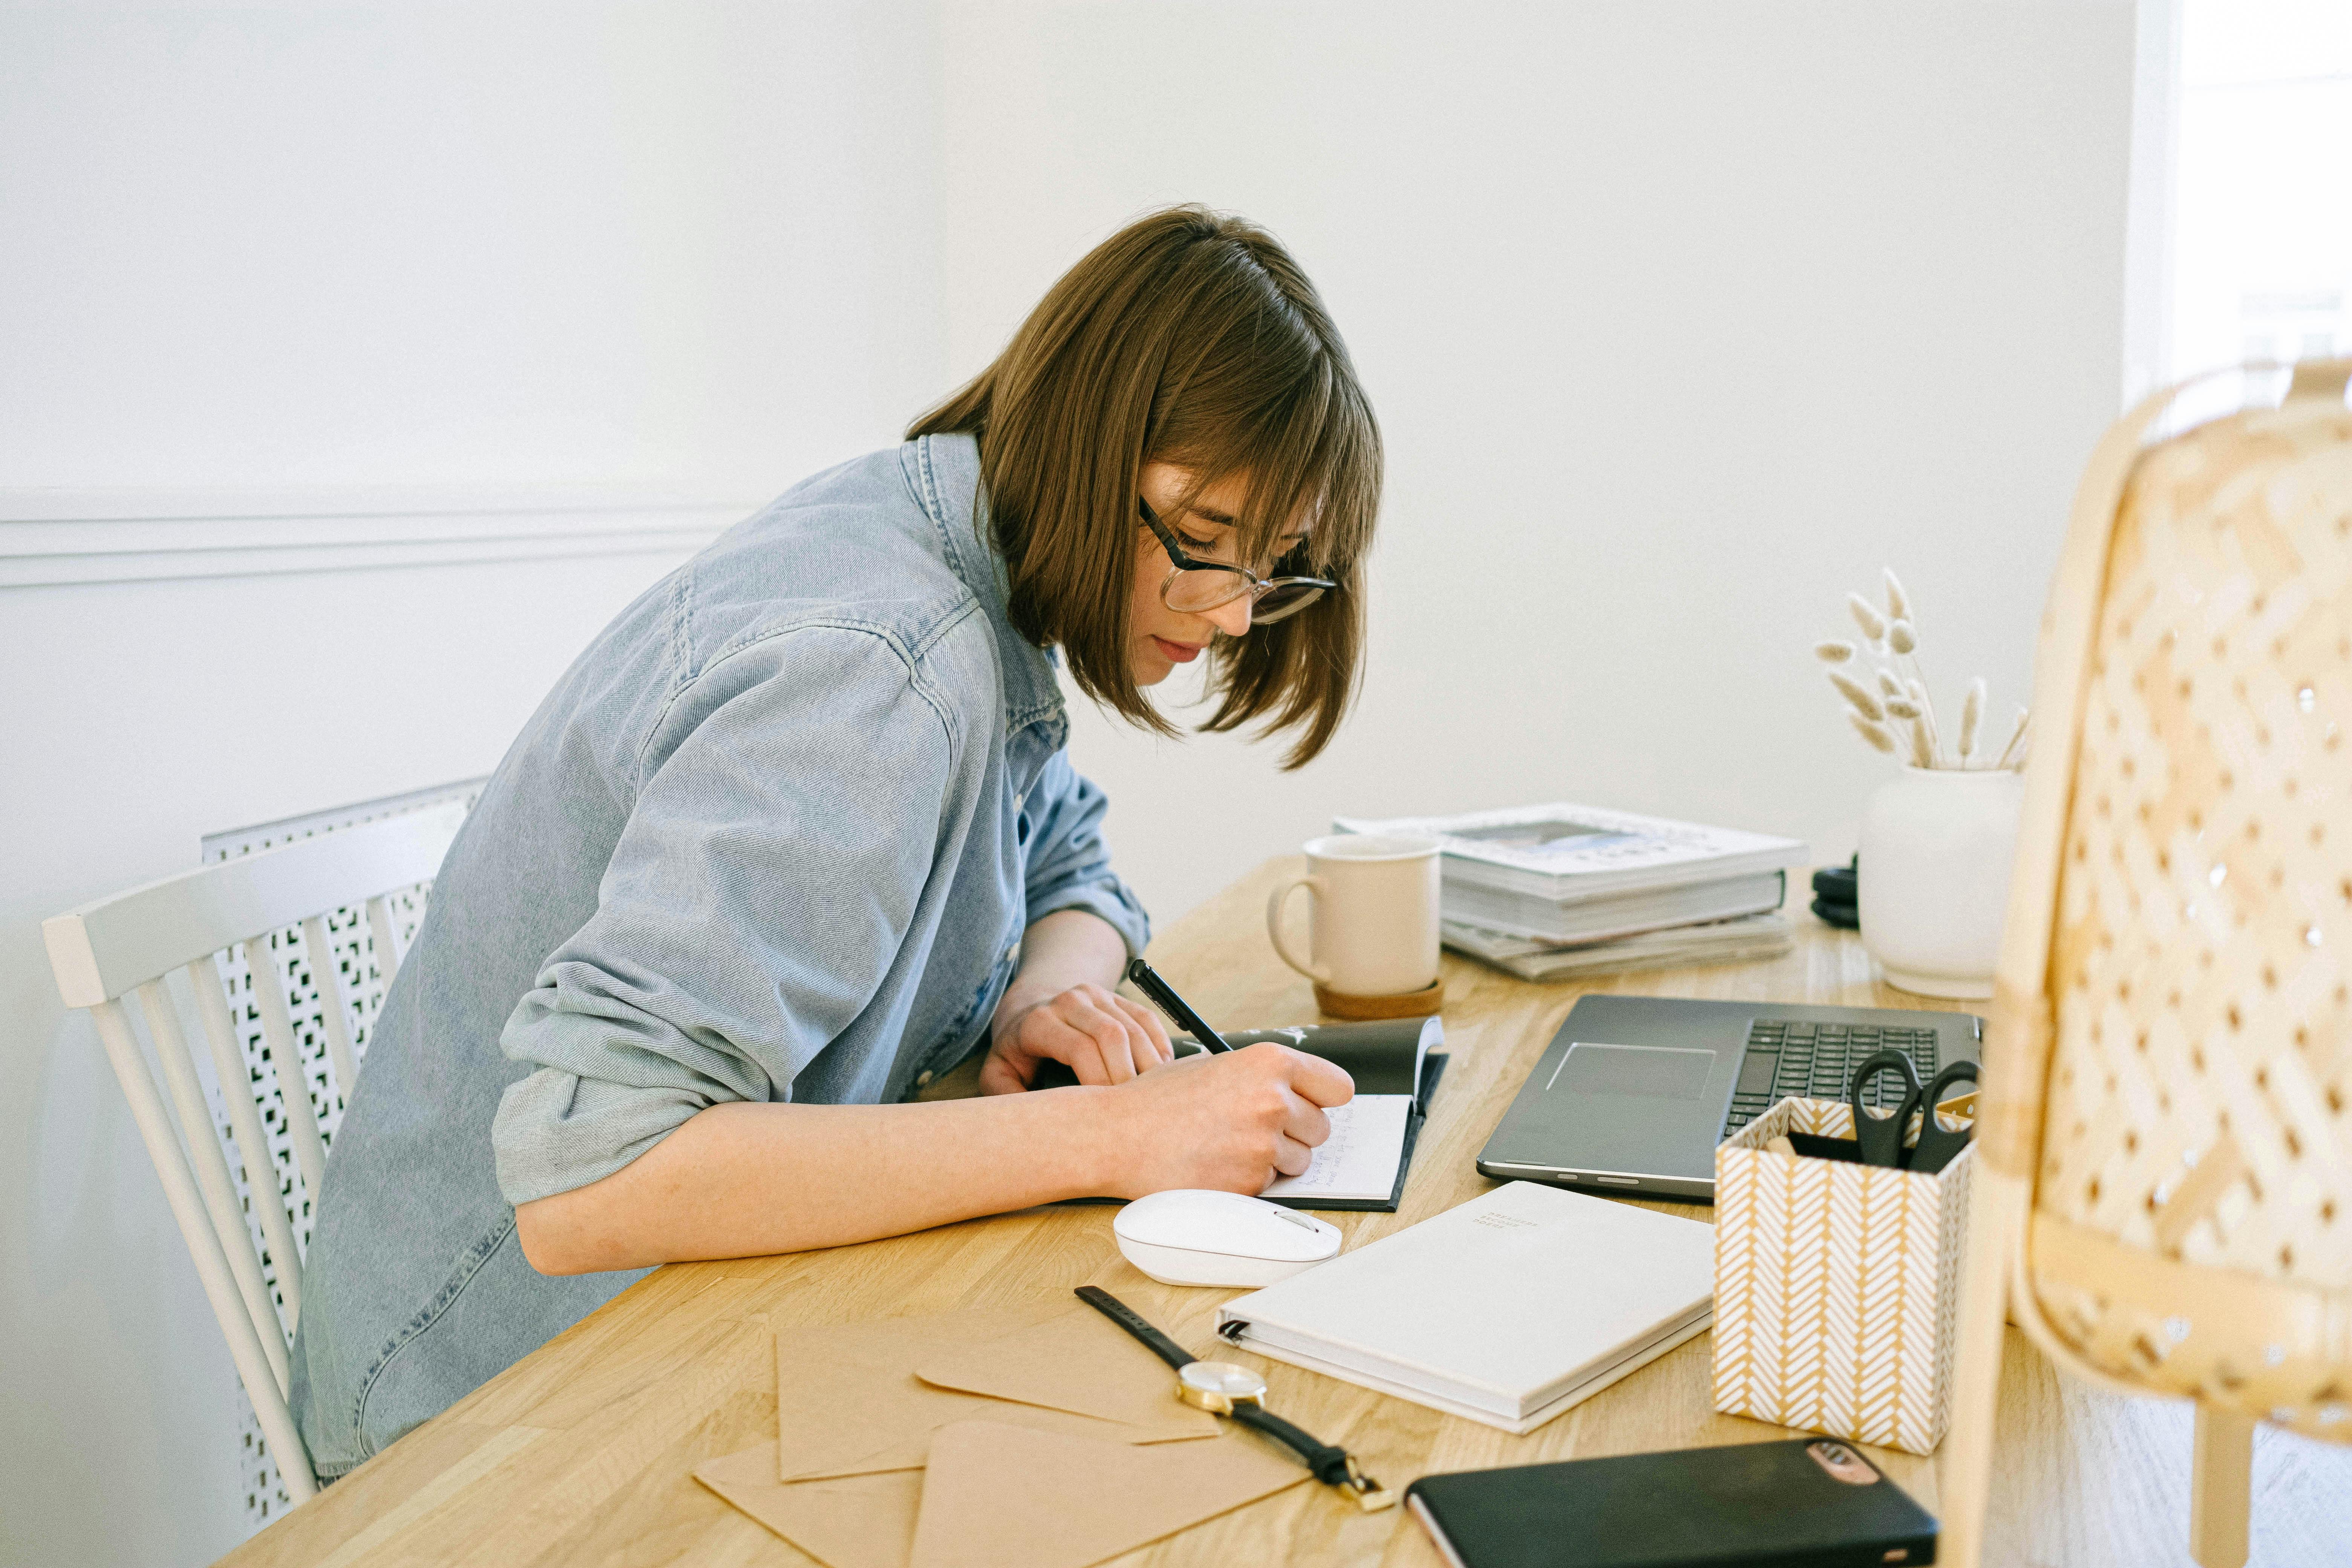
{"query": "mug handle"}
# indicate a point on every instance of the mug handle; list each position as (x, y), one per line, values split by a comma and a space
(1274, 906)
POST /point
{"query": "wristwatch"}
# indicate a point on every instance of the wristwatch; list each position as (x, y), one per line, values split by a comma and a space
(1229, 1389)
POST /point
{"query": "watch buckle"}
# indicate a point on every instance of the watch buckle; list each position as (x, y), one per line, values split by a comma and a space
(1371, 1495)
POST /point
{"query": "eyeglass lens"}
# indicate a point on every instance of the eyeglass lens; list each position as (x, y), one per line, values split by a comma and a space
(1284, 599)
(1192, 592)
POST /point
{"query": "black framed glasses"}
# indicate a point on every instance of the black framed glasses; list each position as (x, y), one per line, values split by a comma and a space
(1194, 587)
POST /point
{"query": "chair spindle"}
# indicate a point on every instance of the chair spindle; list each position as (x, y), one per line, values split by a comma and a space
(334, 1005)
(387, 941)
(252, 1141)
(285, 1058)
(212, 1172)
(203, 1246)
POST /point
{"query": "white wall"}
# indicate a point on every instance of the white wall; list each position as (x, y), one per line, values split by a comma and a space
(287, 244)
(271, 259)
(1680, 317)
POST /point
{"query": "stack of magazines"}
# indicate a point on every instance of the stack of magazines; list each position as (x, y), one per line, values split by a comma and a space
(1559, 892)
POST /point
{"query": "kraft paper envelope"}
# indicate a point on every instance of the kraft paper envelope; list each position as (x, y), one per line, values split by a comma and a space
(1079, 1361)
(848, 1402)
(852, 1521)
(999, 1496)
(995, 1496)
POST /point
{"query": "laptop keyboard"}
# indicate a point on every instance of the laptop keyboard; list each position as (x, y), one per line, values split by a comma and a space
(1817, 1061)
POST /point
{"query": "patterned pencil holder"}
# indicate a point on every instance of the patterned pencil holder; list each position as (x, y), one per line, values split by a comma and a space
(1836, 1285)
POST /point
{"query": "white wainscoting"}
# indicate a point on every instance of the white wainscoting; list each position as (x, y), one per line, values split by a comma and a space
(53, 538)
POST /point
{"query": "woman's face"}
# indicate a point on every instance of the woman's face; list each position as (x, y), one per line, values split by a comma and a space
(1162, 638)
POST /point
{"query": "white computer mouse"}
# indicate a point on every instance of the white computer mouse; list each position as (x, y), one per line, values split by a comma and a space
(1191, 1237)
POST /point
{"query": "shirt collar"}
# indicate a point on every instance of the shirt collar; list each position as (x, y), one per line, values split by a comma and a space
(945, 471)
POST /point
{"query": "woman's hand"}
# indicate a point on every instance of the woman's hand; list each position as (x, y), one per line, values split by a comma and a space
(1101, 1037)
(1233, 1120)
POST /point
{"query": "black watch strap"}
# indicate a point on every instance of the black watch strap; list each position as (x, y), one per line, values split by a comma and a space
(1329, 1464)
(1128, 1318)
(1326, 1462)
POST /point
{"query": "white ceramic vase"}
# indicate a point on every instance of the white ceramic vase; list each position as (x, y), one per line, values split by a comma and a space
(1936, 845)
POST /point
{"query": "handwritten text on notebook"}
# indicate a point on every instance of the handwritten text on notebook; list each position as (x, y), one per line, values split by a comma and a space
(1360, 1158)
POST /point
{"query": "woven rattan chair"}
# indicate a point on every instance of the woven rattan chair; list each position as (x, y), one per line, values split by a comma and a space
(2164, 1194)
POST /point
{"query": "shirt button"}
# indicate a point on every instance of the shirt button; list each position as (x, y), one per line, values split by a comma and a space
(1012, 953)
(922, 1080)
(1021, 800)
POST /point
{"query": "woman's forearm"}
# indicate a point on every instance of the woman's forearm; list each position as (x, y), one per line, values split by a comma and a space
(746, 1178)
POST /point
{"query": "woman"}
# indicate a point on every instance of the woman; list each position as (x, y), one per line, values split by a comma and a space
(796, 833)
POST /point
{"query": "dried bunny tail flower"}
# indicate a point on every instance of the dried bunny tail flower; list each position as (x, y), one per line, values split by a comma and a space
(1972, 709)
(1898, 603)
(1923, 750)
(1855, 692)
(1889, 685)
(1901, 707)
(1874, 733)
(1866, 617)
(1833, 652)
(1900, 637)
(1919, 690)
(2016, 742)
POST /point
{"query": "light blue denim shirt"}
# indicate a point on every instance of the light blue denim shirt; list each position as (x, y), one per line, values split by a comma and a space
(774, 835)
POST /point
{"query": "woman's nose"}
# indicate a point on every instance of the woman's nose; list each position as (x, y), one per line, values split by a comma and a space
(1233, 618)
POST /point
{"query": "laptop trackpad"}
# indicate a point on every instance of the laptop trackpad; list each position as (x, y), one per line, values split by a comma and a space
(1640, 1072)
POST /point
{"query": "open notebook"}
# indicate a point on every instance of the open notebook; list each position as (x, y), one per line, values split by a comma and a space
(1364, 1162)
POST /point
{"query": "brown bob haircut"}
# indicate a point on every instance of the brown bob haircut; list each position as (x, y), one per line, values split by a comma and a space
(1190, 337)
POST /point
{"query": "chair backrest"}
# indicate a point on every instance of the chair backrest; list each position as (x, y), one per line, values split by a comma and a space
(2172, 1058)
(128, 945)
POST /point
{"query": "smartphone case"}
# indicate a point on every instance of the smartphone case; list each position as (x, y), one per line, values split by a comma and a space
(1757, 1505)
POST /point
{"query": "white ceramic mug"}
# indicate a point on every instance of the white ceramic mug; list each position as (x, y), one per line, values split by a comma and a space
(1373, 911)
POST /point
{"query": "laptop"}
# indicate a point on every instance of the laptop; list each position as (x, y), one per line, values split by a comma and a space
(1634, 1093)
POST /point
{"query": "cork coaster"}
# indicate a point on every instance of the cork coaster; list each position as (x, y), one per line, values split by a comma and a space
(1411, 1004)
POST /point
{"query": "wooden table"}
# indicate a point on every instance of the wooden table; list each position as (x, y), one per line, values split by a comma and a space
(580, 1453)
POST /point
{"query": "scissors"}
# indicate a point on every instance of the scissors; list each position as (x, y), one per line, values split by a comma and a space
(1881, 1137)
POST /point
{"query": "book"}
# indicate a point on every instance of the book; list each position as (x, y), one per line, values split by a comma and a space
(1508, 1310)
(1618, 915)
(1722, 942)
(1364, 1163)
(1564, 853)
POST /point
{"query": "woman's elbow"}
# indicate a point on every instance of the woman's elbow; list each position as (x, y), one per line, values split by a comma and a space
(553, 1241)
(626, 1219)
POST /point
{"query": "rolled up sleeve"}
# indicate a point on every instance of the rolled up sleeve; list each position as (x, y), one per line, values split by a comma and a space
(1067, 863)
(760, 892)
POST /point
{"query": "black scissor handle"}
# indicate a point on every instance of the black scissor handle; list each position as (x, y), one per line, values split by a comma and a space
(1938, 1148)
(1881, 1137)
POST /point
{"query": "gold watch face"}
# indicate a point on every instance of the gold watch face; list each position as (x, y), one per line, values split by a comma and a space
(1216, 1384)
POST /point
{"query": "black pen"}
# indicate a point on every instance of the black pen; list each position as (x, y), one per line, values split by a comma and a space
(1147, 980)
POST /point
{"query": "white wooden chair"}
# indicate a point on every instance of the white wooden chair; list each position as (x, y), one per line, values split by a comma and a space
(105, 952)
